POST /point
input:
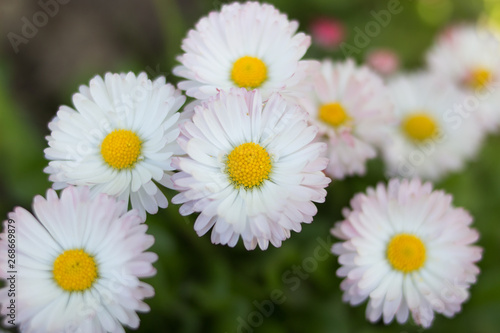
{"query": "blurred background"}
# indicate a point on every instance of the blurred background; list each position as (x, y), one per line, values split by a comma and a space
(201, 287)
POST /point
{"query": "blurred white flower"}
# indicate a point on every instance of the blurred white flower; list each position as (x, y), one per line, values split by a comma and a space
(467, 56)
(353, 111)
(433, 136)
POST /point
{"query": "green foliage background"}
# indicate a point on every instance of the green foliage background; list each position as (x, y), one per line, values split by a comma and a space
(201, 287)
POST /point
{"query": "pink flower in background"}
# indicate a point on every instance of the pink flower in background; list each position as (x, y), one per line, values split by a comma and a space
(327, 32)
(384, 61)
(448, 33)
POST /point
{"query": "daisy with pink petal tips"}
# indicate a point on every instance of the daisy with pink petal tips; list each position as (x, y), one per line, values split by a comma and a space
(78, 261)
(244, 45)
(252, 170)
(353, 111)
(407, 250)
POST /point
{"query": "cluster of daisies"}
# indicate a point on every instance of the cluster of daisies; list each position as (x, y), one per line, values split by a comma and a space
(260, 140)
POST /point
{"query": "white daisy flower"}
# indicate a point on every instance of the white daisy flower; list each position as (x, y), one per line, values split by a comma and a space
(433, 136)
(407, 250)
(468, 57)
(77, 264)
(251, 169)
(248, 45)
(353, 111)
(119, 139)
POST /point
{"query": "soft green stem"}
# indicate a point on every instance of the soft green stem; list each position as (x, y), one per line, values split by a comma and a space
(21, 148)
(173, 27)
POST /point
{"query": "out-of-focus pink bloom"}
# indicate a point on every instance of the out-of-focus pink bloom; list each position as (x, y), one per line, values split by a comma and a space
(448, 32)
(384, 61)
(327, 32)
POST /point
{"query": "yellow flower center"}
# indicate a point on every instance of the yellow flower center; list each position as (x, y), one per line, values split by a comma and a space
(406, 253)
(75, 270)
(333, 114)
(248, 165)
(479, 78)
(249, 72)
(121, 149)
(420, 127)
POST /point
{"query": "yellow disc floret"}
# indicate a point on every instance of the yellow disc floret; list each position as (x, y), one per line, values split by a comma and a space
(248, 165)
(75, 270)
(420, 127)
(406, 253)
(333, 114)
(121, 149)
(479, 78)
(249, 72)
